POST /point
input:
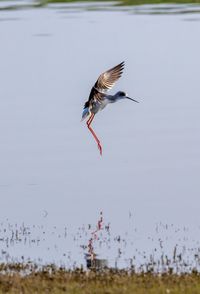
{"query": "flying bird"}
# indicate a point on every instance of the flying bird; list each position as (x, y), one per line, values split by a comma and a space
(98, 98)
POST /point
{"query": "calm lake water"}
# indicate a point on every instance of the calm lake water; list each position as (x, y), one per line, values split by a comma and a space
(51, 173)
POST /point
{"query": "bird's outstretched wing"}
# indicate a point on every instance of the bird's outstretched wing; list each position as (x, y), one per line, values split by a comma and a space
(105, 82)
(107, 79)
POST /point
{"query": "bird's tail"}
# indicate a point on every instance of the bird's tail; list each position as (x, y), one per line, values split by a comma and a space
(85, 113)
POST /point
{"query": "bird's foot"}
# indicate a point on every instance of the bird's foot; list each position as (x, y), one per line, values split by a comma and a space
(100, 148)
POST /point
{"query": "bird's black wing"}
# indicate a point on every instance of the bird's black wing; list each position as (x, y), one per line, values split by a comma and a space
(95, 95)
(104, 83)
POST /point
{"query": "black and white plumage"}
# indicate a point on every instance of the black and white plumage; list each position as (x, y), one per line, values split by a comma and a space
(99, 98)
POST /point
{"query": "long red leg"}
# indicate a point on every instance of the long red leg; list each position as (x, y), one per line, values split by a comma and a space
(93, 133)
(90, 119)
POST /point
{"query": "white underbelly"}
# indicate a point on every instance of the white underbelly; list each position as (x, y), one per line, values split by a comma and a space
(104, 103)
(99, 106)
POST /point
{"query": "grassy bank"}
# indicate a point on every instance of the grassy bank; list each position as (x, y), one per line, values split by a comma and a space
(118, 3)
(129, 2)
(111, 282)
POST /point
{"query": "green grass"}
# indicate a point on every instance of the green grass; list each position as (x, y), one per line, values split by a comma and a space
(40, 3)
(139, 2)
(52, 280)
(130, 2)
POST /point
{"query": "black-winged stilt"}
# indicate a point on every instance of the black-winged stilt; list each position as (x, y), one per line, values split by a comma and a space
(98, 98)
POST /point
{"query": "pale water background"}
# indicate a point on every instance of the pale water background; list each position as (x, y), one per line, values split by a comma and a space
(51, 173)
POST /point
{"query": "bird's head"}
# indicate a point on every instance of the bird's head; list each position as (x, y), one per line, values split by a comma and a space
(122, 95)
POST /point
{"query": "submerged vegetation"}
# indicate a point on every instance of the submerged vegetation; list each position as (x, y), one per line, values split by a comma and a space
(166, 249)
(162, 268)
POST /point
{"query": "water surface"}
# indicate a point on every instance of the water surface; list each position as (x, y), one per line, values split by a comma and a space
(50, 57)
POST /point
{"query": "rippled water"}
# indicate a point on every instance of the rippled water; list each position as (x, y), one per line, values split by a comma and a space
(51, 172)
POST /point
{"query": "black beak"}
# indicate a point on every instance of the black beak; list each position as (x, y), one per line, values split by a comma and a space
(132, 99)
